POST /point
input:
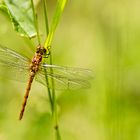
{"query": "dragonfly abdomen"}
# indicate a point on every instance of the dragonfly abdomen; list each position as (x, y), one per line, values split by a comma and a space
(26, 96)
(34, 67)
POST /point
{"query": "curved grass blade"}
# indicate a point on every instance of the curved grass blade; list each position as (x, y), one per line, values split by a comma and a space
(55, 21)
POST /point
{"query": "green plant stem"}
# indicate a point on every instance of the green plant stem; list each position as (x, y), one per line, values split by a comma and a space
(47, 31)
(46, 17)
(55, 116)
(35, 21)
(48, 88)
(52, 96)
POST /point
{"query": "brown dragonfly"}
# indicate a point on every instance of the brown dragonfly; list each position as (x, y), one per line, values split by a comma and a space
(24, 69)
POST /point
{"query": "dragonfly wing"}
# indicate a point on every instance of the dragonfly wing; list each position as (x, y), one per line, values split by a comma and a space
(13, 65)
(77, 73)
(61, 82)
(64, 77)
(8, 56)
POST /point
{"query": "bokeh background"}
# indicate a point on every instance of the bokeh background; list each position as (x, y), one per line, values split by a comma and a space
(103, 36)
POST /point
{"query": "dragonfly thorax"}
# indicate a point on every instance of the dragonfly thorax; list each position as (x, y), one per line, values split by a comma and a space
(36, 60)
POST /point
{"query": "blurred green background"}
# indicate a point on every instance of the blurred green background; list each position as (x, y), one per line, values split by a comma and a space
(100, 35)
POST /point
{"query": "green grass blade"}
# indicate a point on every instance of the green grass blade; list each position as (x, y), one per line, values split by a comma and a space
(35, 21)
(58, 12)
(46, 17)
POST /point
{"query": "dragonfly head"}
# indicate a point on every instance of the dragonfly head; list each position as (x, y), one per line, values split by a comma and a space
(41, 50)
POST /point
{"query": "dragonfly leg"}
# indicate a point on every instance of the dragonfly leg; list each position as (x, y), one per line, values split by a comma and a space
(47, 52)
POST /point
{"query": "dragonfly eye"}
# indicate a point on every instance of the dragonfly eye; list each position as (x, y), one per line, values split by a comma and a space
(40, 50)
(44, 50)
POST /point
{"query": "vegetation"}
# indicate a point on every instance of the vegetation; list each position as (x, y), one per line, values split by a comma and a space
(102, 36)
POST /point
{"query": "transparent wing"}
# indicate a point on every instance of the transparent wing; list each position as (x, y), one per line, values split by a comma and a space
(13, 65)
(16, 67)
(77, 73)
(64, 77)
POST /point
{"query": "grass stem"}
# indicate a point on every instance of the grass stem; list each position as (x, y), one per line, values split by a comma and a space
(52, 92)
(35, 21)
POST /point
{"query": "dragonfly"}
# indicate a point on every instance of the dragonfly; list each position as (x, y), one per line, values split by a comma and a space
(22, 68)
